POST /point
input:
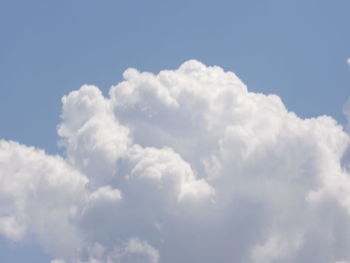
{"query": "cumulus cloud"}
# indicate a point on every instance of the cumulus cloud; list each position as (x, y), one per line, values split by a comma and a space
(185, 165)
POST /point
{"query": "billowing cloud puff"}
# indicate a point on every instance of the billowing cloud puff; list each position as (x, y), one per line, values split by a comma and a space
(183, 166)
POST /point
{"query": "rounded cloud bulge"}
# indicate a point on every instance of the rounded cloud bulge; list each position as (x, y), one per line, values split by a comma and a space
(185, 165)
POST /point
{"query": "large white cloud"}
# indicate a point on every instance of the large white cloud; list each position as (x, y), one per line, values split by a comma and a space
(183, 166)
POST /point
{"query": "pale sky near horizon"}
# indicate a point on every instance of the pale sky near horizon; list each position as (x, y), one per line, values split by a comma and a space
(297, 49)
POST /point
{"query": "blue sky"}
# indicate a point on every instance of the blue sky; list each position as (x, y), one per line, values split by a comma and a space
(296, 49)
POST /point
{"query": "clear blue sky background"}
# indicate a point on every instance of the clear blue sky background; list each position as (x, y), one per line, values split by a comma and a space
(296, 49)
